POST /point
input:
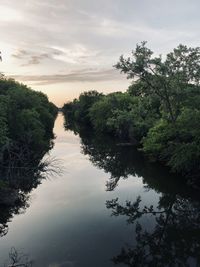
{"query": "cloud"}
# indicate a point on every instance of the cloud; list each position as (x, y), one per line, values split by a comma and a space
(76, 54)
(34, 58)
(20, 54)
(84, 75)
(48, 37)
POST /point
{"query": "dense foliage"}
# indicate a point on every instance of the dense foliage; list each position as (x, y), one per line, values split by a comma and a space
(26, 124)
(78, 110)
(160, 111)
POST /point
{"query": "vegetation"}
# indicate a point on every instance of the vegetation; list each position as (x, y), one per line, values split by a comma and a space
(160, 111)
(26, 119)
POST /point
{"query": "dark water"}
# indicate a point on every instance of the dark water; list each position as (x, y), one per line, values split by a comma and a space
(66, 220)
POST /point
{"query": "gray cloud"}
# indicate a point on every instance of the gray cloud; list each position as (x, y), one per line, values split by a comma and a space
(84, 75)
(34, 58)
(20, 54)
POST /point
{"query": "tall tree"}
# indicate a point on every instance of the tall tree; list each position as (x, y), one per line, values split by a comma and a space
(168, 79)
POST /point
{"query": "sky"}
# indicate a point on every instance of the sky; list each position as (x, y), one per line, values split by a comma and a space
(65, 47)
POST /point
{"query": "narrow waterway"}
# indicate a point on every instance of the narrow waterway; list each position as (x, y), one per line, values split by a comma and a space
(68, 222)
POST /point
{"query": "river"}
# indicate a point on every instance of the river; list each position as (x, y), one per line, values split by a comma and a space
(91, 214)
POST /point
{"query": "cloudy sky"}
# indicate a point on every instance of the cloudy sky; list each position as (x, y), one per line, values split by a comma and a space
(64, 47)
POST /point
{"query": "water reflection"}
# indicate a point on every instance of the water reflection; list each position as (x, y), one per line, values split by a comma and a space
(172, 236)
(105, 154)
(174, 239)
(16, 183)
(18, 259)
(122, 161)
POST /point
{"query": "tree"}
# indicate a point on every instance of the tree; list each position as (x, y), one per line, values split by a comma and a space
(79, 108)
(26, 124)
(167, 79)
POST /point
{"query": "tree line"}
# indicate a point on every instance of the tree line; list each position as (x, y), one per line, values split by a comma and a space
(159, 113)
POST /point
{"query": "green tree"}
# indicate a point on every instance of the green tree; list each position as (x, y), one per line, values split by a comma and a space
(26, 124)
(167, 79)
(79, 108)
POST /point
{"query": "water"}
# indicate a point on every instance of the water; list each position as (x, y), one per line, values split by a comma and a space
(67, 221)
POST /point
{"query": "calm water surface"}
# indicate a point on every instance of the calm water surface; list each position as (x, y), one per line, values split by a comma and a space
(68, 221)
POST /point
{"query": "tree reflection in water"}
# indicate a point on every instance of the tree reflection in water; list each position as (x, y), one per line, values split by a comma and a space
(18, 259)
(17, 183)
(174, 238)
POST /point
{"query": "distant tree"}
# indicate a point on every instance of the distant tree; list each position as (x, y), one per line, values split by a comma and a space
(79, 108)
